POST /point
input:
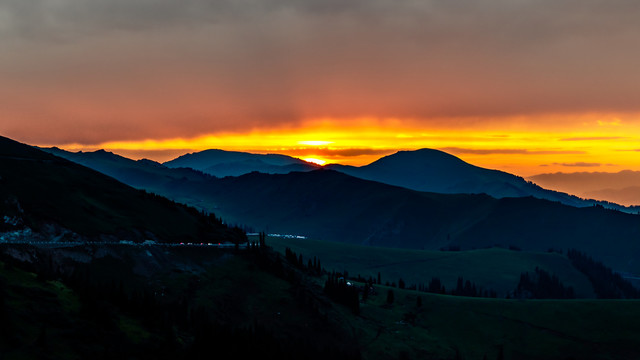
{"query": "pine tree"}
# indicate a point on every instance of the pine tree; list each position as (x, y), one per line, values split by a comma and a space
(390, 297)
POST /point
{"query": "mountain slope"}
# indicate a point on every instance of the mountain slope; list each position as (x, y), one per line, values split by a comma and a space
(330, 205)
(497, 269)
(140, 174)
(222, 163)
(50, 194)
(422, 170)
(436, 171)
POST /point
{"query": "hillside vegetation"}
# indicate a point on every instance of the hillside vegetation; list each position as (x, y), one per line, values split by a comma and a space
(49, 194)
(187, 303)
(497, 269)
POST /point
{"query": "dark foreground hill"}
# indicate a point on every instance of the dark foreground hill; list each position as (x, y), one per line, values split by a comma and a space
(151, 302)
(61, 199)
(156, 302)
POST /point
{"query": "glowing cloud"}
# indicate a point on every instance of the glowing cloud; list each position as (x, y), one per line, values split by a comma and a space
(315, 143)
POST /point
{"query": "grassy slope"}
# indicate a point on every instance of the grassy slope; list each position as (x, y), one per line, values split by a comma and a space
(235, 290)
(497, 269)
(232, 289)
(31, 305)
(570, 329)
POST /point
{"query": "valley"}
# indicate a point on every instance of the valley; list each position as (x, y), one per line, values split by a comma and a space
(434, 275)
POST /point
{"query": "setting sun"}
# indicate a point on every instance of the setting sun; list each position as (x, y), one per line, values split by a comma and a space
(315, 161)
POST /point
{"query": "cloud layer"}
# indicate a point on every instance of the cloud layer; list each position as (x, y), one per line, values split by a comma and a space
(92, 71)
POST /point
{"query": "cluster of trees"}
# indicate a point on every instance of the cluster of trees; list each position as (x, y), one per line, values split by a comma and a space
(542, 285)
(336, 286)
(469, 289)
(606, 283)
(342, 292)
(435, 286)
(313, 266)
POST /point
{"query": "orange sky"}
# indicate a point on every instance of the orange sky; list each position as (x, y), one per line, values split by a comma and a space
(595, 143)
(525, 86)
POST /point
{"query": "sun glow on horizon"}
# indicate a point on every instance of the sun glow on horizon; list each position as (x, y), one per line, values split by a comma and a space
(590, 143)
(315, 161)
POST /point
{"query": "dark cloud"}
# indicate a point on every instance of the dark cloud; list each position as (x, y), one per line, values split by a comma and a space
(113, 69)
(329, 152)
(457, 150)
(579, 164)
(594, 138)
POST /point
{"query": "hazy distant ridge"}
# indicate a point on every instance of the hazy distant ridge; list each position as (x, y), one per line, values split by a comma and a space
(622, 187)
(223, 163)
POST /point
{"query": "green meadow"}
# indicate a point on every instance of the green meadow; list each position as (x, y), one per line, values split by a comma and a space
(494, 268)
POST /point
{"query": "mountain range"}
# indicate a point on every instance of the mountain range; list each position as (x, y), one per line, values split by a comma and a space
(330, 205)
(422, 170)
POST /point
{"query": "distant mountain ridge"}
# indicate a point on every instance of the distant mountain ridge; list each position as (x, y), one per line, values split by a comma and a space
(223, 163)
(421, 170)
(436, 171)
(142, 173)
(622, 187)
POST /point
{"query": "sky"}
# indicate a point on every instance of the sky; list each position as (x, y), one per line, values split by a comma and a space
(522, 86)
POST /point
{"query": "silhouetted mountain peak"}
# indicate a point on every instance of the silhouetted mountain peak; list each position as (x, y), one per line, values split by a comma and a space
(148, 162)
(207, 158)
(422, 158)
(233, 163)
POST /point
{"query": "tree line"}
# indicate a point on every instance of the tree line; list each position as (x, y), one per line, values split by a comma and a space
(607, 284)
(542, 285)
